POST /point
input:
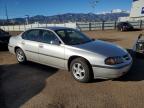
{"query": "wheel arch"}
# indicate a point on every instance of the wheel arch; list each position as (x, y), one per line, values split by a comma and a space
(16, 48)
(74, 57)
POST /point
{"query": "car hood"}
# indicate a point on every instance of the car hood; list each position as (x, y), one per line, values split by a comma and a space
(103, 48)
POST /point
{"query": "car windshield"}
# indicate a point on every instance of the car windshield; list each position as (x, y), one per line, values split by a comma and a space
(72, 37)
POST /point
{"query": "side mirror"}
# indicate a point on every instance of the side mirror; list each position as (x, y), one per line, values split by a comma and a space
(55, 42)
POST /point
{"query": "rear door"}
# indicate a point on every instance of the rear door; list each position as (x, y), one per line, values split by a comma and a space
(30, 44)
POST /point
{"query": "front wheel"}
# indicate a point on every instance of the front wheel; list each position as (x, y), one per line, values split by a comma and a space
(80, 70)
(21, 58)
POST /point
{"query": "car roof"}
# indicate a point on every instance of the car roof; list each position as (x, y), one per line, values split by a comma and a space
(123, 22)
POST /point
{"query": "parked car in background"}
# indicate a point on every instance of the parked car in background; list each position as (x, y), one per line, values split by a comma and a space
(124, 26)
(71, 50)
(139, 45)
(4, 38)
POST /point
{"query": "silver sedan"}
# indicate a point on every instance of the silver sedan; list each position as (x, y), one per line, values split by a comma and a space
(71, 50)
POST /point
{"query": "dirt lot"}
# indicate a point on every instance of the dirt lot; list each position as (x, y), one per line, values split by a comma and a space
(37, 86)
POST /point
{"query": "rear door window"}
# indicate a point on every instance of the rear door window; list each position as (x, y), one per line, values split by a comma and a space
(32, 35)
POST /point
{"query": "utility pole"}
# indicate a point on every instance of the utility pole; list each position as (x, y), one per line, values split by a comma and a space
(27, 19)
(6, 13)
(93, 4)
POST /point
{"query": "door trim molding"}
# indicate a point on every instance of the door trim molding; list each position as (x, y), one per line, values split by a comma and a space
(45, 54)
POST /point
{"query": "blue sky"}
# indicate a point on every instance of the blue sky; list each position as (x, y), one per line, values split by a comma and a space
(20, 8)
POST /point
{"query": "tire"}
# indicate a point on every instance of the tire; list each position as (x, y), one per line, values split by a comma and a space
(80, 70)
(21, 58)
(121, 29)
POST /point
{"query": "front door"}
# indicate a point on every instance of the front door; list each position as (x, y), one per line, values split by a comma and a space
(50, 53)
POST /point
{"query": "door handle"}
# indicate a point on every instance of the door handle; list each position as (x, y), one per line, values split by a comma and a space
(41, 46)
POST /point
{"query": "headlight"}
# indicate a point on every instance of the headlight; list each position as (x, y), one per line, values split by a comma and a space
(114, 60)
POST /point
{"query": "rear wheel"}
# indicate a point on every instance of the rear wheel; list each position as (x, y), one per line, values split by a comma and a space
(21, 58)
(80, 70)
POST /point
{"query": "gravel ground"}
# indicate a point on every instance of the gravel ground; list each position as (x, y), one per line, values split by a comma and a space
(37, 86)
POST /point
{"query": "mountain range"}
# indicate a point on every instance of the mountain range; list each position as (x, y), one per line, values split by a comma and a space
(68, 17)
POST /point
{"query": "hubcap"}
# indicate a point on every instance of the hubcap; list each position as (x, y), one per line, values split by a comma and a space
(20, 56)
(78, 71)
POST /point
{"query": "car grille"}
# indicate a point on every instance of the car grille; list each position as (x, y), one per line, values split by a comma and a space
(140, 47)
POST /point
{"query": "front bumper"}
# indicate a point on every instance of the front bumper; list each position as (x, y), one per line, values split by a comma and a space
(11, 49)
(110, 73)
